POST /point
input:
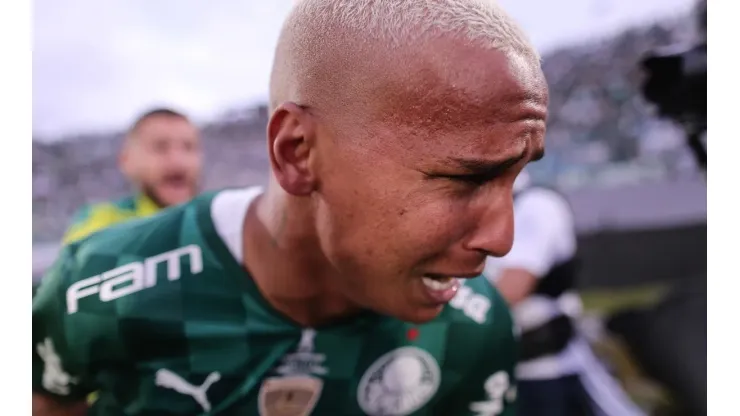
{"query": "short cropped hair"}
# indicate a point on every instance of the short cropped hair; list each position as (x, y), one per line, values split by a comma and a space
(315, 27)
(155, 112)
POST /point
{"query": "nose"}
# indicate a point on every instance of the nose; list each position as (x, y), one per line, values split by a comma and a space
(178, 158)
(494, 232)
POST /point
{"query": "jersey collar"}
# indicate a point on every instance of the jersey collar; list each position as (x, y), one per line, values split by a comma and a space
(146, 206)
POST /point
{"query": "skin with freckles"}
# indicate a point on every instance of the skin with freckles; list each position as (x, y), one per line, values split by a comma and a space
(403, 168)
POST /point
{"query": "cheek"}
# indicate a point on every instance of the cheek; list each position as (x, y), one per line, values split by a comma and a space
(430, 228)
(152, 170)
(195, 164)
(357, 223)
(379, 215)
(389, 232)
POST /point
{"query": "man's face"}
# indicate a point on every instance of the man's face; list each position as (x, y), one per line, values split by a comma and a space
(415, 188)
(164, 159)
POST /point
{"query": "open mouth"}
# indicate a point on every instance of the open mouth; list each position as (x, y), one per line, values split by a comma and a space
(438, 283)
(175, 180)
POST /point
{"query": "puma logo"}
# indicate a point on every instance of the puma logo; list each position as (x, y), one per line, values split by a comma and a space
(169, 380)
(54, 379)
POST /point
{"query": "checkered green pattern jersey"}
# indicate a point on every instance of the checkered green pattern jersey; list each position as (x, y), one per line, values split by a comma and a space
(161, 318)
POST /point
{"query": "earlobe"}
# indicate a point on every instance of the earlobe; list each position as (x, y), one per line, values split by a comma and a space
(123, 163)
(290, 140)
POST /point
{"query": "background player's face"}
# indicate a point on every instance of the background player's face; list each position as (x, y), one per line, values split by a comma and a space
(163, 157)
(422, 185)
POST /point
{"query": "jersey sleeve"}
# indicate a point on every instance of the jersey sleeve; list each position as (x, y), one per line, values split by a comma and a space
(489, 387)
(57, 369)
(540, 219)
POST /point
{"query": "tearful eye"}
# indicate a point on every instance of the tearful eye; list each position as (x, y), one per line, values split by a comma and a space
(476, 180)
(160, 146)
(478, 172)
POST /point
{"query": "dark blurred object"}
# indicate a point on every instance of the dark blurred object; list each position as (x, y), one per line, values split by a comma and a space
(669, 343)
(676, 82)
(673, 254)
(669, 340)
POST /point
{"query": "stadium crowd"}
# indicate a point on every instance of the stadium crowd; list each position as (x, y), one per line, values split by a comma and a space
(596, 132)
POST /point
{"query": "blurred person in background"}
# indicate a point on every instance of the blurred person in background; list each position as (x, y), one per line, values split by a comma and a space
(329, 292)
(558, 374)
(162, 158)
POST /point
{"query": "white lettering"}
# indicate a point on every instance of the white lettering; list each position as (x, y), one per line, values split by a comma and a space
(475, 306)
(134, 277)
(458, 302)
(79, 290)
(113, 281)
(172, 259)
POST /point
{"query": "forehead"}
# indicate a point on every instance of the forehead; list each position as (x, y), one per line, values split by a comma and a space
(459, 84)
(464, 99)
(165, 127)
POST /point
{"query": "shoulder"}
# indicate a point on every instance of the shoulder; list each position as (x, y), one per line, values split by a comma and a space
(93, 211)
(168, 228)
(91, 218)
(132, 260)
(133, 237)
(119, 206)
(127, 203)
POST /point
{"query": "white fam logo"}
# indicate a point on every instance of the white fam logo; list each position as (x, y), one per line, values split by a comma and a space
(133, 277)
(474, 305)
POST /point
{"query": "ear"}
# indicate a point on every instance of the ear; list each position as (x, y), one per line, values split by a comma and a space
(291, 141)
(125, 160)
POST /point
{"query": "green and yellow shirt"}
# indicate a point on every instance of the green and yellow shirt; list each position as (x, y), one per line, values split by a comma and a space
(95, 217)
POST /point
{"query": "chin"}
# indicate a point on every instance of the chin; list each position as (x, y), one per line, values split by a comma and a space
(169, 200)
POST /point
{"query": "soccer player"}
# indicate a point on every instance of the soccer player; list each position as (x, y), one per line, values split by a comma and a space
(162, 158)
(351, 284)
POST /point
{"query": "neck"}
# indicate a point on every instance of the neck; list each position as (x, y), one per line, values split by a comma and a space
(285, 260)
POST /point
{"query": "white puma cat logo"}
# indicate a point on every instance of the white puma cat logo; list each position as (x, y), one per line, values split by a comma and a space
(55, 379)
(169, 380)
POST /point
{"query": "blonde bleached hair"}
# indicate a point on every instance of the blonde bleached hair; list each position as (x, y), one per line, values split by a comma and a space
(321, 38)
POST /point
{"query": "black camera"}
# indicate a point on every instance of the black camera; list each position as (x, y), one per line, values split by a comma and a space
(676, 82)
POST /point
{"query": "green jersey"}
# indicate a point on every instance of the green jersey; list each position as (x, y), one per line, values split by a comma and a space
(160, 316)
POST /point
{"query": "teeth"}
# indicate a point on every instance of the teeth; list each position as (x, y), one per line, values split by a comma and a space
(438, 284)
